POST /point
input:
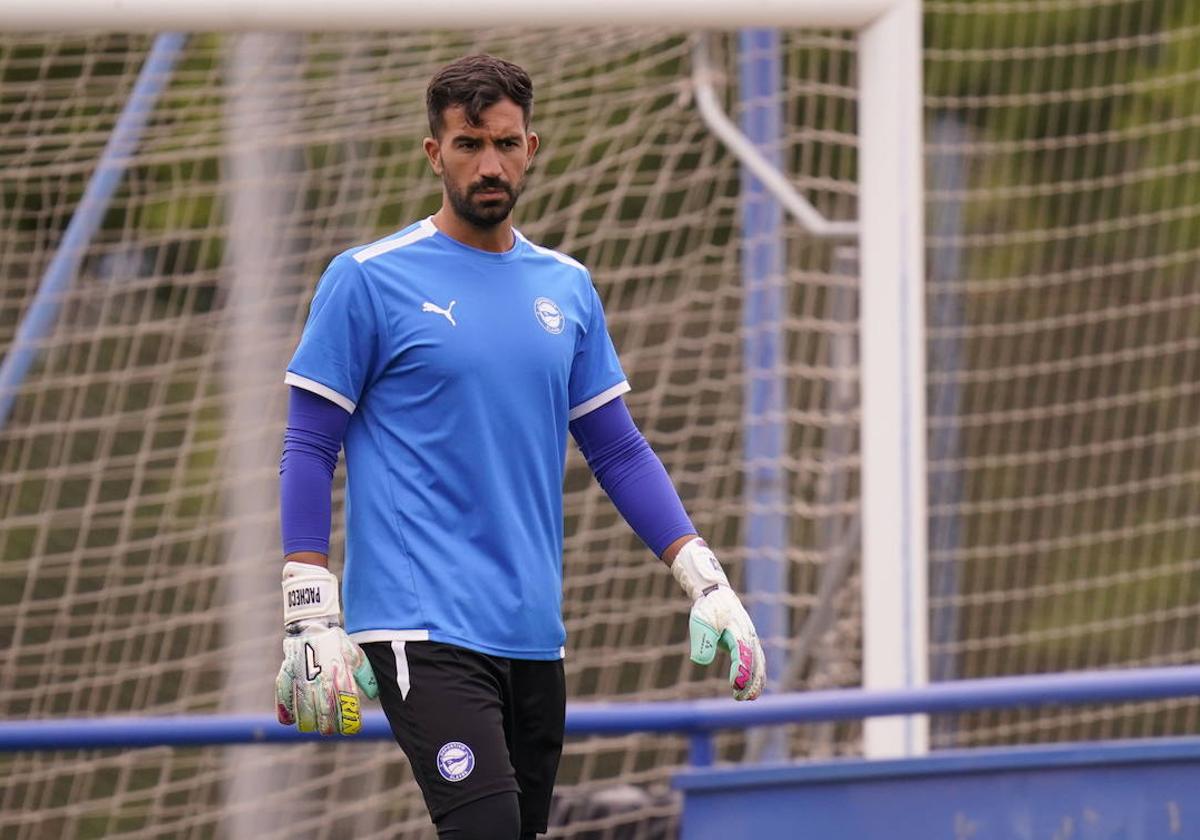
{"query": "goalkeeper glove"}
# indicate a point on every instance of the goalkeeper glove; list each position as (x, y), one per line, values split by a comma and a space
(718, 618)
(316, 683)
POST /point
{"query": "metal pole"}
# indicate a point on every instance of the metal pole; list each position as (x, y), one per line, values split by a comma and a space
(258, 336)
(610, 718)
(764, 305)
(891, 206)
(946, 317)
(42, 313)
(380, 15)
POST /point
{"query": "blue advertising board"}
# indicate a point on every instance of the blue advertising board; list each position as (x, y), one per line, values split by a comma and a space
(1147, 790)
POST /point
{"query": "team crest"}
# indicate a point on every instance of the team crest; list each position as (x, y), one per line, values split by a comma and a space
(455, 761)
(549, 315)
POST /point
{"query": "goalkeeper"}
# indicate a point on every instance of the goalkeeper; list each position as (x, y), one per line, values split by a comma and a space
(450, 360)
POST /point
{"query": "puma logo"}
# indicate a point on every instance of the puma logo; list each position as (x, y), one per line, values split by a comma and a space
(433, 307)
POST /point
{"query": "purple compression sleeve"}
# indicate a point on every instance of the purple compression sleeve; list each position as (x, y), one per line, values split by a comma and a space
(311, 445)
(632, 475)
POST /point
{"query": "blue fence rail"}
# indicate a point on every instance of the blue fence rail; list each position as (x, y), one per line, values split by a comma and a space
(697, 719)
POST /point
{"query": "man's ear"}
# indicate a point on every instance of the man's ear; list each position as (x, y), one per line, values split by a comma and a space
(532, 142)
(433, 151)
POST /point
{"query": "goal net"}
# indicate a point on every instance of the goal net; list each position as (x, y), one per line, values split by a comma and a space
(140, 548)
(1063, 314)
(139, 555)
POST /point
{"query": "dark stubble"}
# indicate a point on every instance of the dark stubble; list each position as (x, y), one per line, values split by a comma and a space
(483, 215)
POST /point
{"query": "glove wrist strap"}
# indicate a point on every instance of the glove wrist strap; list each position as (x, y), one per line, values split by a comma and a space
(697, 569)
(309, 592)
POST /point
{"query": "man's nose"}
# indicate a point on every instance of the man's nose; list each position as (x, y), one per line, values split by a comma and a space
(489, 162)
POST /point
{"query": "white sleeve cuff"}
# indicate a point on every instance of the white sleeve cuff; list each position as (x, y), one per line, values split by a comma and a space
(320, 390)
(605, 396)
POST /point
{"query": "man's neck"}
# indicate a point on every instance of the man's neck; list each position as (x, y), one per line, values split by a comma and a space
(497, 239)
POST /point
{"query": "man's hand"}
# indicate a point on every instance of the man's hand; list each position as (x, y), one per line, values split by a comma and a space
(316, 683)
(719, 619)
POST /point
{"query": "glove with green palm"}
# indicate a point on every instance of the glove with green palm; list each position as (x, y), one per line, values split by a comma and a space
(719, 619)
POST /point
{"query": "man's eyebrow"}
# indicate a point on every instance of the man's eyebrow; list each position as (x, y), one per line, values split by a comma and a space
(477, 138)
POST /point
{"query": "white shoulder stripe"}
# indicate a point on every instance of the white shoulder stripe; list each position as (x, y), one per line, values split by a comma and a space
(549, 252)
(605, 396)
(425, 230)
(320, 390)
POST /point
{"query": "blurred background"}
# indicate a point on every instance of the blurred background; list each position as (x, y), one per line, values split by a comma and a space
(140, 430)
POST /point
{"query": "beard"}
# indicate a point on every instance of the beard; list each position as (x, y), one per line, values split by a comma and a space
(487, 213)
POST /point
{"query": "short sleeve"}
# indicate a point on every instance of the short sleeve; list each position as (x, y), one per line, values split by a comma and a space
(596, 375)
(338, 354)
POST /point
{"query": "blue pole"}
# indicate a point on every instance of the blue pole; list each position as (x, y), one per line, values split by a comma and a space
(126, 134)
(947, 315)
(763, 305)
(695, 717)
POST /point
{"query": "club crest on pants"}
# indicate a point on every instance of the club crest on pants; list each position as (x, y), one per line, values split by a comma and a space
(455, 761)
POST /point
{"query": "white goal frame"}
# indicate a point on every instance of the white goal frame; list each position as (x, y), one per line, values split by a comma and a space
(890, 243)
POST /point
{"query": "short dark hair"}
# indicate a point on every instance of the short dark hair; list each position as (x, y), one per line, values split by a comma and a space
(477, 82)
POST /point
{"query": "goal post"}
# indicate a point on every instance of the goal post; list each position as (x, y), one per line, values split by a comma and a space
(892, 338)
(890, 235)
(139, 546)
(359, 15)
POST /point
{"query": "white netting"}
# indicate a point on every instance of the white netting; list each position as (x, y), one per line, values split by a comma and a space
(1063, 153)
(139, 554)
(136, 471)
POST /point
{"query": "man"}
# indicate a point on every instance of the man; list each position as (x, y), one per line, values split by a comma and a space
(450, 359)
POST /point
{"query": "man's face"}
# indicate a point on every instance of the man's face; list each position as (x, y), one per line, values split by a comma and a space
(483, 166)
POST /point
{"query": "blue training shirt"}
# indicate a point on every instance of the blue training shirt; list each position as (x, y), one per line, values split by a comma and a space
(461, 369)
